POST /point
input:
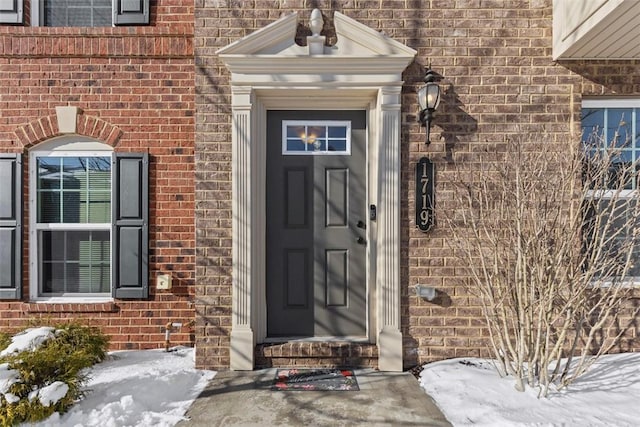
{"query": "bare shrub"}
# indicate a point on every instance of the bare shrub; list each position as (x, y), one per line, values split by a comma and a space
(550, 239)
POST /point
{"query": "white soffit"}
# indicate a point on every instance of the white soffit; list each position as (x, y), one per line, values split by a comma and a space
(596, 29)
(360, 55)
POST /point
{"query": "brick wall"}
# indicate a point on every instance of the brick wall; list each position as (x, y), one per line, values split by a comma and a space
(499, 82)
(135, 87)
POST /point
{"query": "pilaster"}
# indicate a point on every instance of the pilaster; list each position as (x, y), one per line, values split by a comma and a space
(388, 261)
(242, 334)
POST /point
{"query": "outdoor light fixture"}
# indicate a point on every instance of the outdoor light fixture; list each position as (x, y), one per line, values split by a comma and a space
(427, 292)
(429, 99)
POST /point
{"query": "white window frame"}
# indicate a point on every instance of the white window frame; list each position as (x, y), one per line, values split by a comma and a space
(326, 123)
(602, 103)
(62, 147)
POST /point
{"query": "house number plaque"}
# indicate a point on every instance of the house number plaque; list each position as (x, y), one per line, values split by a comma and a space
(425, 174)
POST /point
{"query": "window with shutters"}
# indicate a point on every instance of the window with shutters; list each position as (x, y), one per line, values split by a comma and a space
(78, 246)
(90, 13)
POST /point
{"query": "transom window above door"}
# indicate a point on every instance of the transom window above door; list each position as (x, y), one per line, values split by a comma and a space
(316, 137)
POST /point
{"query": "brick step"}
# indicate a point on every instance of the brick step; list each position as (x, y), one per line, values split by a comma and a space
(316, 355)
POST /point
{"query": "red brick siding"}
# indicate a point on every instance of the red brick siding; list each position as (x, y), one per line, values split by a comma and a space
(499, 82)
(135, 87)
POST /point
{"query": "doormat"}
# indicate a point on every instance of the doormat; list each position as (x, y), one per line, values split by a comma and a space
(315, 380)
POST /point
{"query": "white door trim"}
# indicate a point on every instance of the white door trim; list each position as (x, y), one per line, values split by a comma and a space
(313, 83)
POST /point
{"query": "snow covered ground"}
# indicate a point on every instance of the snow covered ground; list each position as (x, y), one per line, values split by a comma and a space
(155, 388)
(137, 388)
(469, 392)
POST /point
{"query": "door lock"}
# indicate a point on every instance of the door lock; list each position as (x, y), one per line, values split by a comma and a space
(361, 224)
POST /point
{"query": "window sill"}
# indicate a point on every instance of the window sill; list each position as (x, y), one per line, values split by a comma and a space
(67, 306)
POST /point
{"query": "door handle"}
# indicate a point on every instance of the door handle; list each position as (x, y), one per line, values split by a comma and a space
(360, 240)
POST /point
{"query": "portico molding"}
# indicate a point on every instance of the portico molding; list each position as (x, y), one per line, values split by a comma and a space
(256, 63)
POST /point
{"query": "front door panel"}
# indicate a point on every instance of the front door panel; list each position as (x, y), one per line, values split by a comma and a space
(316, 214)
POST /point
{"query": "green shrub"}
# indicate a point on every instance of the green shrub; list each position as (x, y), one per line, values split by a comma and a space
(62, 358)
(5, 340)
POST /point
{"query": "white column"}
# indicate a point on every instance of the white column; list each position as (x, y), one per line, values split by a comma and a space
(388, 251)
(242, 334)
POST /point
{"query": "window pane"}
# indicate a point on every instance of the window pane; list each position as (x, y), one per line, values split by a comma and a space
(55, 13)
(99, 209)
(71, 207)
(316, 132)
(49, 207)
(77, 13)
(621, 171)
(78, 16)
(295, 145)
(75, 261)
(74, 175)
(74, 190)
(52, 277)
(99, 173)
(49, 172)
(592, 125)
(295, 131)
(72, 279)
(53, 245)
(102, 15)
(619, 127)
(318, 145)
(338, 145)
(338, 132)
(611, 225)
(101, 248)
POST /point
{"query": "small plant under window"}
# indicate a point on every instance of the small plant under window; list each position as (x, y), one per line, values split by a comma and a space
(41, 370)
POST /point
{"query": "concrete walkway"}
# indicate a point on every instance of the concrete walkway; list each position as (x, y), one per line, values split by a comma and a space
(245, 399)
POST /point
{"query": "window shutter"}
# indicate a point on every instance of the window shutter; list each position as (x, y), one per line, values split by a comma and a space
(10, 226)
(130, 225)
(11, 11)
(130, 12)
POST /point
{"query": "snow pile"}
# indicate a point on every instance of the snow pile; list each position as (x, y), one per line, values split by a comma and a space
(8, 377)
(470, 392)
(137, 388)
(129, 388)
(29, 339)
(51, 394)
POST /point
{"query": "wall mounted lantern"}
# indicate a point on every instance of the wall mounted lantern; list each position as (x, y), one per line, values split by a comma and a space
(429, 99)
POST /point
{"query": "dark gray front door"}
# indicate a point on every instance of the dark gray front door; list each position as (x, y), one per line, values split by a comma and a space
(316, 218)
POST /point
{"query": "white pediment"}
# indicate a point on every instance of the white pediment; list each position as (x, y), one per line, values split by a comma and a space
(359, 50)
